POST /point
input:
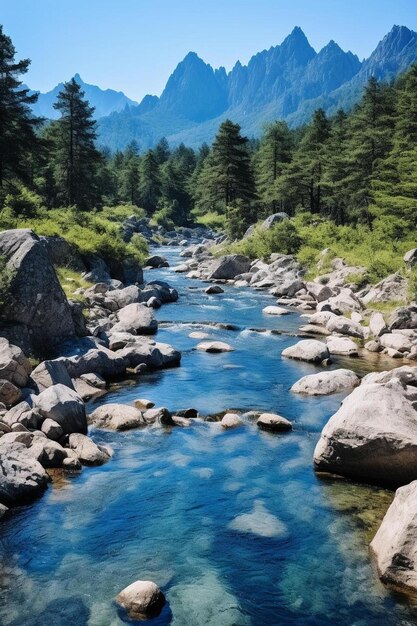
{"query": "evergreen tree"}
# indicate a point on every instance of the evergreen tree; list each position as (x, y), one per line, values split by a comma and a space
(150, 182)
(129, 176)
(162, 151)
(18, 141)
(335, 179)
(275, 151)
(75, 159)
(226, 181)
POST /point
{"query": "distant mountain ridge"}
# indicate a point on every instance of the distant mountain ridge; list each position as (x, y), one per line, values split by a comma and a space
(288, 81)
(105, 101)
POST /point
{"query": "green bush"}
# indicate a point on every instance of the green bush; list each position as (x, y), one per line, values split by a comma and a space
(212, 220)
(283, 238)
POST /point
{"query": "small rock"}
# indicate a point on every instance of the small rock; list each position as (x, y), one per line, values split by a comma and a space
(274, 310)
(377, 324)
(309, 350)
(326, 383)
(273, 422)
(160, 414)
(342, 346)
(142, 403)
(142, 600)
(116, 417)
(52, 429)
(231, 420)
(215, 346)
(87, 451)
(214, 289)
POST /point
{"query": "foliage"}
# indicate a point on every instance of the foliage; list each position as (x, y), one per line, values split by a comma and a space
(6, 277)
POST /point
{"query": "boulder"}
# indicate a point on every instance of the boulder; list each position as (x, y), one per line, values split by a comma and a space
(274, 310)
(136, 318)
(377, 324)
(47, 452)
(116, 417)
(392, 288)
(404, 318)
(229, 266)
(396, 341)
(52, 429)
(156, 262)
(22, 478)
(273, 422)
(309, 350)
(87, 451)
(161, 290)
(50, 373)
(64, 406)
(153, 355)
(142, 600)
(214, 347)
(160, 415)
(100, 361)
(394, 547)
(231, 420)
(123, 297)
(214, 289)
(23, 414)
(85, 390)
(36, 312)
(9, 393)
(14, 366)
(372, 437)
(319, 292)
(407, 375)
(345, 326)
(325, 383)
(342, 346)
(274, 219)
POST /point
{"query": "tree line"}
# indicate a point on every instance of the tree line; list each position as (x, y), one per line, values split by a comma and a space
(352, 168)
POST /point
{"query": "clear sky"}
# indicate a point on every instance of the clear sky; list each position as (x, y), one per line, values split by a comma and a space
(134, 45)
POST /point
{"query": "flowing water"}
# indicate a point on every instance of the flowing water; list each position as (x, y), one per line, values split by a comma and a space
(234, 526)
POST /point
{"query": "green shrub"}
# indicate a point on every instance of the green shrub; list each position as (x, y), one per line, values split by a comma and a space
(6, 277)
(283, 238)
(212, 220)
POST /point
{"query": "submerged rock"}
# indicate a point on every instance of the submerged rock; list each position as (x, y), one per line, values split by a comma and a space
(142, 600)
(215, 346)
(326, 383)
(274, 310)
(259, 522)
(373, 436)
(394, 547)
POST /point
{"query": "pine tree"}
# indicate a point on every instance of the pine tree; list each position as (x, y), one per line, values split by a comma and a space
(335, 179)
(129, 176)
(17, 124)
(226, 183)
(162, 151)
(275, 151)
(371, 129)
(150, 182)
(75, 158)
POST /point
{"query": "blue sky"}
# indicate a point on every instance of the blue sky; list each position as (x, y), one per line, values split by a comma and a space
(134, 45)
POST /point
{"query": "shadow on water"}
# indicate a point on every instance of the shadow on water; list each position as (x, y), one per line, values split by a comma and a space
(234, 526)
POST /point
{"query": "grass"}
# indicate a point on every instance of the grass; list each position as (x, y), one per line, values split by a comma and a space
(386, 308)
(71, 281)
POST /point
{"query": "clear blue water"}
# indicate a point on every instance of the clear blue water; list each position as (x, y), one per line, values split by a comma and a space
(234, 526)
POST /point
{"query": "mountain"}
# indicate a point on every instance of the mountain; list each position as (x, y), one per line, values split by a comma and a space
(105, 101)
(288, 81)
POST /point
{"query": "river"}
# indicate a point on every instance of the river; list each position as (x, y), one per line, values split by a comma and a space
(234, 526)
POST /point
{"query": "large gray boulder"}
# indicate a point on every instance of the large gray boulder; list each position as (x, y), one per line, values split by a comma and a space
(116, 417)
(325, 383)
(88, 452)
(36, 314)
(392, 288)
(410, 257)
(404, 318)
(22, 478)
(64, 406)
(50, 373)
(373, 436)
(99, 361)
(309, 350)
(123, 297)
(153, 355)
(14, 365)
(272, 220)
(394, 547)
(136, 318)
(342, 346)
(345, 326)
(229, 266)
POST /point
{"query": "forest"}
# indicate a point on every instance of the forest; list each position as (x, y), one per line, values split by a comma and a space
(349, 182)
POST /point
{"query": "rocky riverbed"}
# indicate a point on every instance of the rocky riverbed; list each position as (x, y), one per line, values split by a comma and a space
(218, 490)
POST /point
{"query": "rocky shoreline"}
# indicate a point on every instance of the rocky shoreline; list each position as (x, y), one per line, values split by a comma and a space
(43, 415)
